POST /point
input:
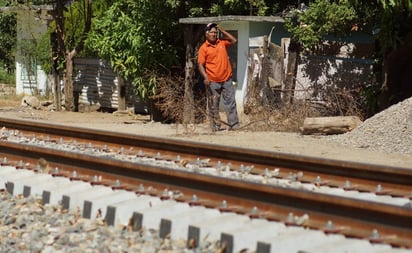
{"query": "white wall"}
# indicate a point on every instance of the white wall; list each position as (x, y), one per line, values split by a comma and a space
(28, 28)
(242, 28)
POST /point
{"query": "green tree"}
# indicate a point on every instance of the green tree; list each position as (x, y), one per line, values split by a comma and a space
(140, 39)
(71, 23)
(322, 18)
(199, 8)
(7, 40)
(69, 29)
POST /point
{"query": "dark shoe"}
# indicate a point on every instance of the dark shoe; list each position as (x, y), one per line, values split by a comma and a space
(218, 128)
(234, 128)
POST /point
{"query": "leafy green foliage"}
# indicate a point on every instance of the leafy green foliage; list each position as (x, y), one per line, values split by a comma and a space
(395, 23)
(322, 18)
(397, 4)
(74, 26)
(138, 44)
(391, 19)
(7, 40)
(7, 77)
(199, 8)
(75, 17)
(43, 54)
(246, 7)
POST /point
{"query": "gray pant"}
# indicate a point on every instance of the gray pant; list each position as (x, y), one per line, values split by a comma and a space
(229, 104)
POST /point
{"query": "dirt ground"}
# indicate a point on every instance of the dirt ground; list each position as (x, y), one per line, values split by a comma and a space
(293, 143)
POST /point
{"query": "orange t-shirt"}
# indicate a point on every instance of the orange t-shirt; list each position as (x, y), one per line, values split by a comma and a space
(216, 60)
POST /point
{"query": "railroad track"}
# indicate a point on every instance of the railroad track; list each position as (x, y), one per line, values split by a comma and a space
(288, 189)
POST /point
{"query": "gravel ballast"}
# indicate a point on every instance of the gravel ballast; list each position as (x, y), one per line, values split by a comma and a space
(388, 131)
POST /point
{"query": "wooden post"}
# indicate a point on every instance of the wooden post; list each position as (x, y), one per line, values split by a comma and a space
(121, 94)
(57, 91)
(263, 80)
(290, 73)
(189, 112)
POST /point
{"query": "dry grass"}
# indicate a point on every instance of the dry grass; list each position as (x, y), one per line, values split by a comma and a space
(9, 102)
(260, 118)
(8, 95)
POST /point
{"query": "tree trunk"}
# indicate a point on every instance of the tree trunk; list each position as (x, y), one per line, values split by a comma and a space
(189, 112)
(68, 82)
(57, 91)
(263, 82)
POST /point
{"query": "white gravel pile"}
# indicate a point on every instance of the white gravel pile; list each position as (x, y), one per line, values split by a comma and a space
(389, 131)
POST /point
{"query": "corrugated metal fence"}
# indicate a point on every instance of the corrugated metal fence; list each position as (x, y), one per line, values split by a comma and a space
(96, 82)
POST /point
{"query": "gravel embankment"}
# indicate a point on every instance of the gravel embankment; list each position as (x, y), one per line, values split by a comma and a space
(389, 131)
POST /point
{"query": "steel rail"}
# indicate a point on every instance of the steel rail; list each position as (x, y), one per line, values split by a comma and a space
(399, 177)
(353, 217)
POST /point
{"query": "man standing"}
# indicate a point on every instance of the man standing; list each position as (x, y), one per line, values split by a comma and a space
(214, 66)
